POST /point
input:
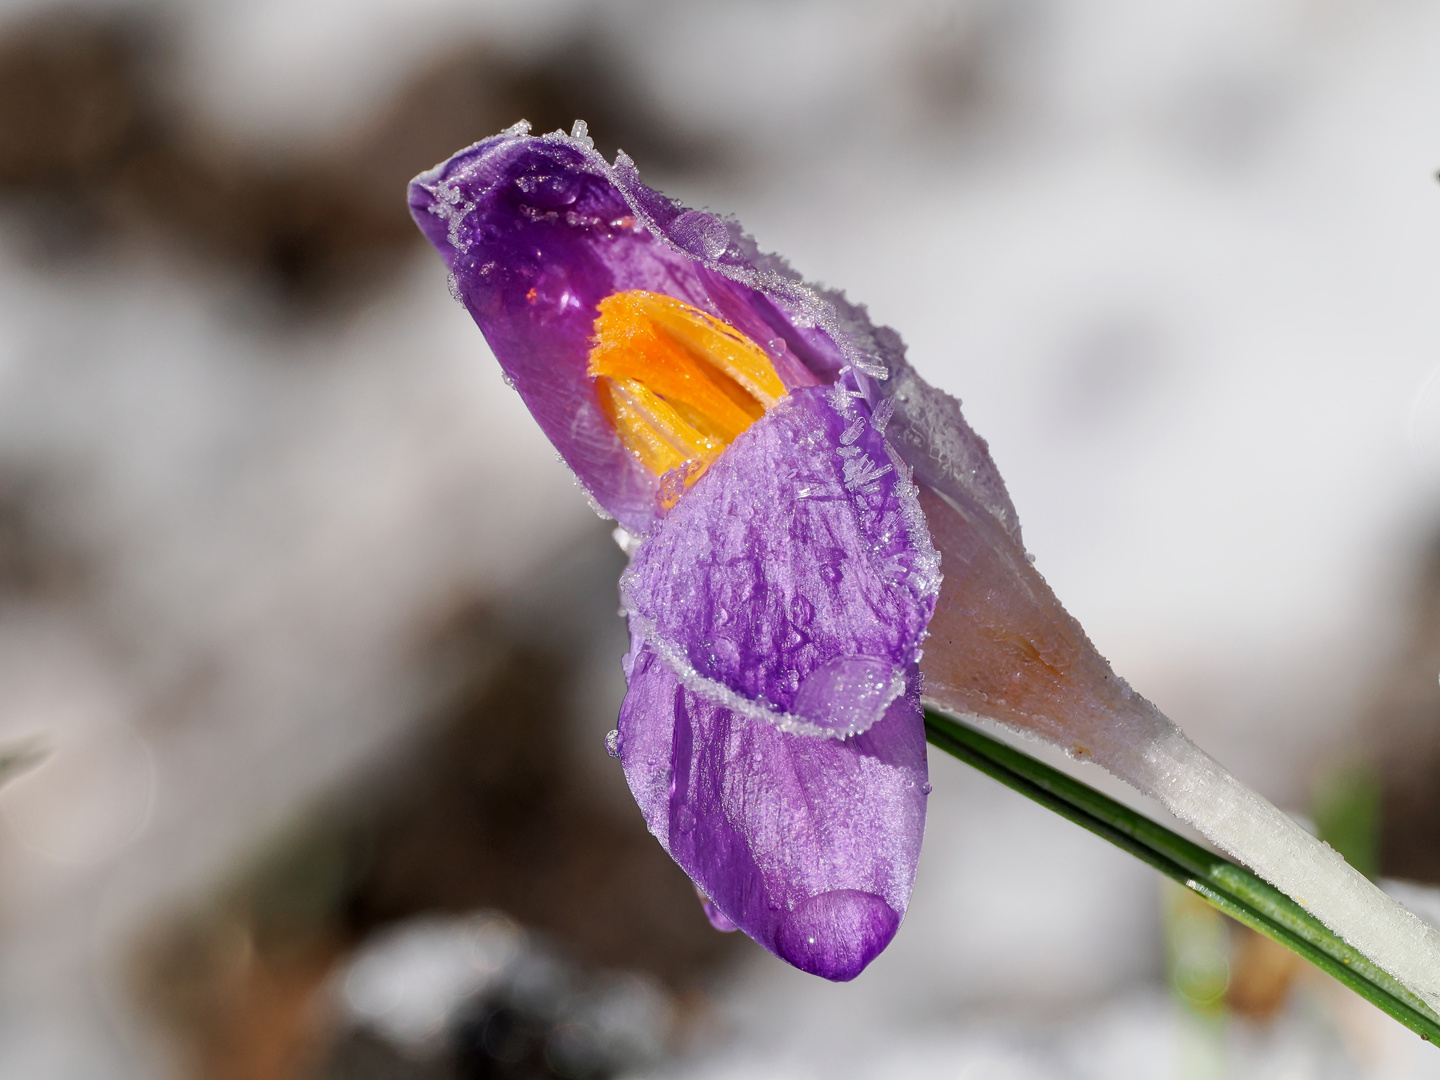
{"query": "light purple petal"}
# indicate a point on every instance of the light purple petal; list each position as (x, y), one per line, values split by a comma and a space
(794, 581)
(808, 845)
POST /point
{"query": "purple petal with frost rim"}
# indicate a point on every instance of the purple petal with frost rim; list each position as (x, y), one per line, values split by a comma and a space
(794, 581)
(808, 845)
(536, 235)
(516, 213)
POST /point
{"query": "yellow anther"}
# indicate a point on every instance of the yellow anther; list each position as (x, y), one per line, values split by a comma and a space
(677, 384)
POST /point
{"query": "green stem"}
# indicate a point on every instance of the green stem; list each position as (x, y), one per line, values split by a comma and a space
(1228, 886)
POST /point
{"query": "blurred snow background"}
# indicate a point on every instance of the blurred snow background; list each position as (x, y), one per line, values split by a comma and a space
(272, 531)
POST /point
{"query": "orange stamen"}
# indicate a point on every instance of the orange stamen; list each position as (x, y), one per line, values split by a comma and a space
(677, 384)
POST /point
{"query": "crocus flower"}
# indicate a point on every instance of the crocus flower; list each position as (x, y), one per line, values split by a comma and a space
(782, 480)
(781, 576)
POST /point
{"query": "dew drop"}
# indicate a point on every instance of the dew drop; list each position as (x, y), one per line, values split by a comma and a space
(612, 742)
(847, 694)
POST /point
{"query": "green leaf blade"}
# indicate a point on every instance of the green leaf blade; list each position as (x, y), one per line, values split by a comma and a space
(1228, 886)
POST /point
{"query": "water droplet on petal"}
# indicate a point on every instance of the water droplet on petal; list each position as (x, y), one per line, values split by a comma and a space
(612, 742)
(847, 694)
(717, 917)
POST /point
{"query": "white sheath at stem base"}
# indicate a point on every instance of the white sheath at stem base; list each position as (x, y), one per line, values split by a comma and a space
(1199, 791)
(1003, 649)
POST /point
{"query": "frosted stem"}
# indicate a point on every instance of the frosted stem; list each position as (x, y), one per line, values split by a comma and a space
(1002, 648)
(1198, 790)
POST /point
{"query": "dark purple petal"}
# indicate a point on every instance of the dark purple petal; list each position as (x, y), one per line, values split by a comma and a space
(536, 235)
(808, 845)
(794, 581)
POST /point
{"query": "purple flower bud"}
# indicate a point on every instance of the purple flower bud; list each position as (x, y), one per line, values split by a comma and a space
(759, 438)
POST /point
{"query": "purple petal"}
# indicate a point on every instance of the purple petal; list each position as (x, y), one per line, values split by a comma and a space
(794, 581)
(759, 317)
(808, 845)
(536, 235)
(537, 231)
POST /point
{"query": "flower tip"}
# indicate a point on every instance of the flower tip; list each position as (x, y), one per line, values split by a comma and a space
(718, 919)
(836, 934)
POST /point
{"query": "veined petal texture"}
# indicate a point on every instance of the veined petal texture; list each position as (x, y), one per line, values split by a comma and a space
(793, 583)
(808, 845)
